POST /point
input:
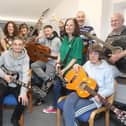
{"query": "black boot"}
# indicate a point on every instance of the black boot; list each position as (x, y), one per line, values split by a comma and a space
(15, 122)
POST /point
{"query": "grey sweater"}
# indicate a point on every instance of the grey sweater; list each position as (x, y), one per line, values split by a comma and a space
(19, 64)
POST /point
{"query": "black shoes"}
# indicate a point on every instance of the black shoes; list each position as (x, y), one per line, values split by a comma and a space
(39, 101)
(15, 122)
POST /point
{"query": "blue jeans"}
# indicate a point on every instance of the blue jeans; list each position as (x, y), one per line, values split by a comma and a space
(74, 107)
(57, 90)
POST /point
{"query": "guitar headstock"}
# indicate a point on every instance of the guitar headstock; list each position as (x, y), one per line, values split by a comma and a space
(122, 116)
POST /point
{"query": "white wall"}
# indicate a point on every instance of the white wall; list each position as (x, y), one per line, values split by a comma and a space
(93, 9)
(93, 12)
(66, 8)
(98, 12)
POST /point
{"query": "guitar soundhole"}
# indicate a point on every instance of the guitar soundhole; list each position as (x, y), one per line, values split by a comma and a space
(82, 85)
(74, 78)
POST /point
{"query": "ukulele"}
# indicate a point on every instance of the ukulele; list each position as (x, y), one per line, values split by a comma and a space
(85, 86)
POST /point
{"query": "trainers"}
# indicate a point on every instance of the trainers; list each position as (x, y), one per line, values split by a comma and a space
(50, 109)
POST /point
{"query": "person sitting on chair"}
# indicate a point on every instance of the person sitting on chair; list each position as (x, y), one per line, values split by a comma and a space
(81, 19)
(15, 60)
(117, 38)
(23, 32)
(70, 53)
(101, 72)
(45, 71)
(10, 31)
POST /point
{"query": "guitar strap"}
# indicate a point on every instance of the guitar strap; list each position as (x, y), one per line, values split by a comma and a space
(67, 55)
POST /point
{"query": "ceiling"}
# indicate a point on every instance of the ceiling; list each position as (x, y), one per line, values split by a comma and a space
(25, 10)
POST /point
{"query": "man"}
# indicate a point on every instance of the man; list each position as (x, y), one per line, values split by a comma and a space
(117, 37)
(80, 17)
(46, 70)
(15, 59)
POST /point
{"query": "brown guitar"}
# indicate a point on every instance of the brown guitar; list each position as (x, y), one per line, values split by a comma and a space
(85, 86)
(38, 52)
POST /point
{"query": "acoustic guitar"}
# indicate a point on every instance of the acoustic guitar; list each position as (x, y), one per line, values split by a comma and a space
(110, 49)
(15, 77)
(85, 86)
(74, 80)
(38, 51)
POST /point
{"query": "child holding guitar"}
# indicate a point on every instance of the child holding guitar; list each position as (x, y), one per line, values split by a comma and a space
(14, 59)
(97, 69)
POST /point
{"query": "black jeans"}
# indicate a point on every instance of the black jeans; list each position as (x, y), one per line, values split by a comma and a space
(4, 91)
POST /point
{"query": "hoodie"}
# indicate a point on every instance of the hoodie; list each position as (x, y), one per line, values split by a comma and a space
(19, 65)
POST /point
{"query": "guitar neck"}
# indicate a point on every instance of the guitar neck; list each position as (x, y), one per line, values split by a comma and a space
(99, 41)
(103, 100)
(90, 36)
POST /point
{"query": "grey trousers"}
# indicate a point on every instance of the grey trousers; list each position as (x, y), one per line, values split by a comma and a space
(43, 70)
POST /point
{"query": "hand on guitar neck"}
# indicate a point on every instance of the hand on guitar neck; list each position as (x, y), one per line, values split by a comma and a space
(78, 81)
(8, 78)
(60, 74)
(59, 69)
(12, 77)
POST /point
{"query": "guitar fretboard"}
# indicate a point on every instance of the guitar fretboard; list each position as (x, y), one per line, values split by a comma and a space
(103, 100)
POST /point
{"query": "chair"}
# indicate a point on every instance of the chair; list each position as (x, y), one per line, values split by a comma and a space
(10, 100)
(88, 116)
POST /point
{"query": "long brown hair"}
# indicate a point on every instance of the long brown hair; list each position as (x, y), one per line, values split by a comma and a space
(14, 26)
(76, 29)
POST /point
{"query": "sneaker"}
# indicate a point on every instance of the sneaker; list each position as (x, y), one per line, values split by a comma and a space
(50, 109)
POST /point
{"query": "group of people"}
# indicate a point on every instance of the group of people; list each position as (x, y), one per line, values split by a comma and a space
(69, 50)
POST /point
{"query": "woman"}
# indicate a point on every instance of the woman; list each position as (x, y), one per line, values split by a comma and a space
(23, 31)
(70, 53)
(10, 31)
(101, 72)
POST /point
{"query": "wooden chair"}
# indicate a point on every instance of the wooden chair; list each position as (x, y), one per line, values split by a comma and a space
(89, 116)
(10, 101)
